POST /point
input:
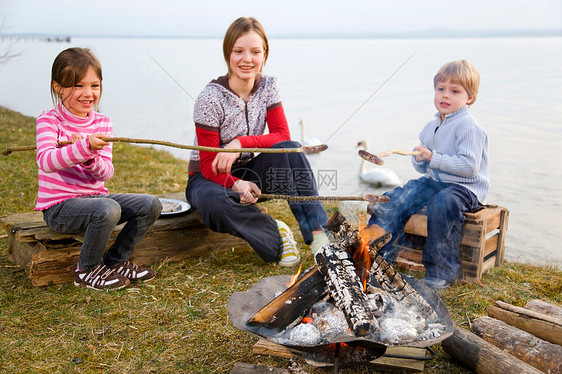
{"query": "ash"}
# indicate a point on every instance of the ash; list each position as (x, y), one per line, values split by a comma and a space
(399, 323)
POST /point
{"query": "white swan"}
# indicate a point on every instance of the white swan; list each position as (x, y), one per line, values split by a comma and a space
(304, 140)
(379, 176)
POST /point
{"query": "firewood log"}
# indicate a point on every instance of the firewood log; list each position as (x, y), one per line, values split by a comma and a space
(541, 325)
(545, 308)
(293, 302)
(346, 289)
(538, 353)
(483, 357)
(389, 279)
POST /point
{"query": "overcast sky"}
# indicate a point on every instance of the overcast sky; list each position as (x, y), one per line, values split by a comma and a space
(279, 17)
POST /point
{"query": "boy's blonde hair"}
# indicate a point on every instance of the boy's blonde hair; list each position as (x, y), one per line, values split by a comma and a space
(238, 28)
(460, 72)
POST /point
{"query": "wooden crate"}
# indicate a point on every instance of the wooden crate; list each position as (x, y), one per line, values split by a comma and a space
(482, 245)
(50, 257)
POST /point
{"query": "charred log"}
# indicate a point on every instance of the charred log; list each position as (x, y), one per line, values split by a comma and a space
(292, 304)
(346, 288)
(353, 239)
(388, 279)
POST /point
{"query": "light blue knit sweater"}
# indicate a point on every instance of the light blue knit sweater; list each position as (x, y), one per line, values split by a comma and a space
(460, 152)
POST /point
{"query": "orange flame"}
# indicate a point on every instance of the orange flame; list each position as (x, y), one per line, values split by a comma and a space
(362, 256)
(306, 320)
(295, 277)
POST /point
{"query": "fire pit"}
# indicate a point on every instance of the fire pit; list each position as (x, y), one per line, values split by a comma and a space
(344, 306)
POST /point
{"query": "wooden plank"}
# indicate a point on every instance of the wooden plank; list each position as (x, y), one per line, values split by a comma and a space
(400, 365)
(265, 347)
(411, 259)
(491, 245)
(501, 236)
(478, 254)
(25, 220)
(417, 225)
(488, 264)
(244, 368)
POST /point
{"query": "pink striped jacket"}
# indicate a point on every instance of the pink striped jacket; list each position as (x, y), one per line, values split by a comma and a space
(62, 173)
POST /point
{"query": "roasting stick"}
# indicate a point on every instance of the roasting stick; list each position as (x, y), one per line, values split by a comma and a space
(369, 198)
(304, 149)
(377, 159)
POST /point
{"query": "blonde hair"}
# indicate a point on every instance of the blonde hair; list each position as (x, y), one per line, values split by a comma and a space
(69, 67)
(238, 28)
(460, 72)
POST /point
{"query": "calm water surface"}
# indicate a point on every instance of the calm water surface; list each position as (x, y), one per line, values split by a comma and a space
(338, 87)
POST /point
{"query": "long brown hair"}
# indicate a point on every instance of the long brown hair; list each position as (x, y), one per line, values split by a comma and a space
(238, 28)
(69, 67)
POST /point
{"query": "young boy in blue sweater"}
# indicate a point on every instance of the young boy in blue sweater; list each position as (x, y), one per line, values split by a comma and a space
(454, 162)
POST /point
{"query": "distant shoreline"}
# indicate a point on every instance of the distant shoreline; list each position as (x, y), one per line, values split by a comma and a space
(422, 34)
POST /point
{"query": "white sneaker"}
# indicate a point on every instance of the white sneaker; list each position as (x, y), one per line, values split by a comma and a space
(288, 251)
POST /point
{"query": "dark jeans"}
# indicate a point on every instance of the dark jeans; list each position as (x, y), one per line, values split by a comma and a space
(277, 173)
(446, 203)
(97, 216)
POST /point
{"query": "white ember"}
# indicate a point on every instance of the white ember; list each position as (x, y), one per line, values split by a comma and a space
(305, 334)
(330, 321)
(395, 331)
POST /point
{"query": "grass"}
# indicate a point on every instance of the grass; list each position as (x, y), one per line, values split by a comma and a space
(178, 322)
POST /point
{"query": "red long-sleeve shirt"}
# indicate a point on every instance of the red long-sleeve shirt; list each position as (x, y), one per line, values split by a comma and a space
(221, 116)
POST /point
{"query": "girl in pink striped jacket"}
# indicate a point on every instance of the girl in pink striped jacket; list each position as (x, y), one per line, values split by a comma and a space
(71, 194)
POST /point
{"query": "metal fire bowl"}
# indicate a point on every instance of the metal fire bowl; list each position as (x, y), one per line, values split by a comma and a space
(243, 305)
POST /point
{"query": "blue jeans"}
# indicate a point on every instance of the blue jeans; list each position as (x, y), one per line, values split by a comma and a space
(97, 216)
(446, 203)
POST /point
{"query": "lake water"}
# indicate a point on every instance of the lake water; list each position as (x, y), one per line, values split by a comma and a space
(346, 90)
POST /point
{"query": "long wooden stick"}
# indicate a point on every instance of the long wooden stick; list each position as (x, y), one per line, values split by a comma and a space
(303, 149)
(377, 158)
(399, 152)
(369, 198)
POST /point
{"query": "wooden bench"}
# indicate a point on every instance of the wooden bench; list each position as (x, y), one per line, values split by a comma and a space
(50, 257)
(482, 245)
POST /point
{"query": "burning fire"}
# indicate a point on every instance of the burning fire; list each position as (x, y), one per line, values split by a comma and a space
(362, 257)
(295, 276)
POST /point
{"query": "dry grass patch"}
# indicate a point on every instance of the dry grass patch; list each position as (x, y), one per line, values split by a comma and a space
(178, 322)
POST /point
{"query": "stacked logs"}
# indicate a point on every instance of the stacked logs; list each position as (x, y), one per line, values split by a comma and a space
(337, 275)
(512, 340)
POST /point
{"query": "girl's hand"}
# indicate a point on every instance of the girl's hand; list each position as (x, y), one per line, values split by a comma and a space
(247, 191)
(223, 161)
(75, 137)
(96, 144)
(426, 154)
